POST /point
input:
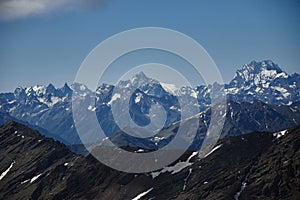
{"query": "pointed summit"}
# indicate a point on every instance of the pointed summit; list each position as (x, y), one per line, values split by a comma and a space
(141, 74)
(50, 89)
(66, 90)
(19, 92)
(140, 77)
(137, 80)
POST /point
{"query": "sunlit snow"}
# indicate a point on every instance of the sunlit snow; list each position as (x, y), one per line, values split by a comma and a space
(7, 170)
(138, 97)
(214, 149)
(35, 178)
(169, 87)
(142, 194)
(114, 98)
(175, 168)
(280, 133)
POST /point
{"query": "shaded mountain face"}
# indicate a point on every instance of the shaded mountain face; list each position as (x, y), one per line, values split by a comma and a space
(241, 118)
(253, 166)
(50, 107)
(5, 117)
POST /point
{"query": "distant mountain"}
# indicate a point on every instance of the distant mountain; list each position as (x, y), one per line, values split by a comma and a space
(5, 117)
(264, 81)
(252, 166)
(50, 107)
(45, 107)
(241, 118)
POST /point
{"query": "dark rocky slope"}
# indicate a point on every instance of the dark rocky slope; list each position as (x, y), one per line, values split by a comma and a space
(40, 168)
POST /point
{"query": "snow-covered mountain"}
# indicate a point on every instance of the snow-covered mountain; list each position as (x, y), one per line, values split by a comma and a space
(46, 107)
(50, 107)
(264, 81)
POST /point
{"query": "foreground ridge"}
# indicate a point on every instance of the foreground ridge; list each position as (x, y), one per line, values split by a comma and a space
(267, 165)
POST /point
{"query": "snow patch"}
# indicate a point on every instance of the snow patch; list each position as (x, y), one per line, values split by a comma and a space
(266, 85)
(35, 178)
(279, 134)
(174, 108)
(244, 183)
(280, 89)
(269, 73)
(82, 87)
(214, 149)
(91, 108)
(191, 156)
(25, 181)
(186, 179)
(233, 90)
(177, 167)
(7, 170)
(281, 75)
(193, 94)
(257, 89)
(142, 194)
(169, 87)
(114, 98)
(155, 174)
(231, 114)
(11, 102)
(38, 89)
(140, 151)
(138, 97)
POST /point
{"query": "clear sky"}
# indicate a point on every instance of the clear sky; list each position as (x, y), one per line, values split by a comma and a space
(44, 42)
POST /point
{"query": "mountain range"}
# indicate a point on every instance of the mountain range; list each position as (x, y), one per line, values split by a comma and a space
(50, 109)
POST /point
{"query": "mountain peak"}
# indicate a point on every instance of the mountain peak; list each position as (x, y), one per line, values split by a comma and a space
(141, 76)
(19, 90)
(265, 70)
(137, 80)
(262, 65)
(50, 89)
(66, 90)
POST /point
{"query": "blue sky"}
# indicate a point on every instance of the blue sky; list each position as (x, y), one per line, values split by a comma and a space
(42, 44)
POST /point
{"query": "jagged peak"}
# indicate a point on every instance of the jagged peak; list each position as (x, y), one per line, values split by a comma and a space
(66, 85)
(140, 75)
(79, 86)
(104, 87)
(66, 89)
(255, 66)
(137, 80)
(50, 88)
(19, 89)
(265, 69)
(140, 78)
